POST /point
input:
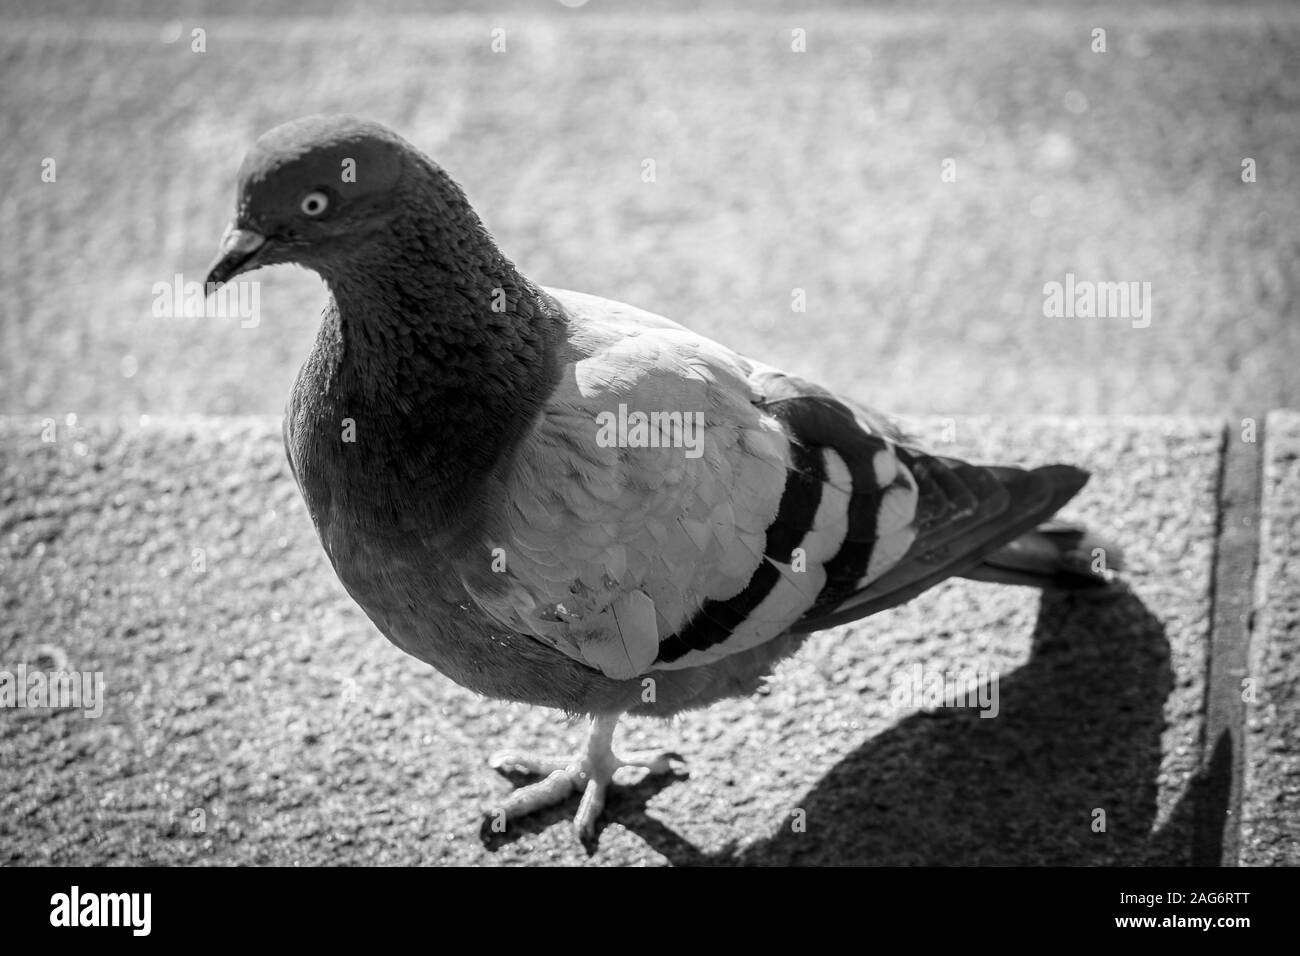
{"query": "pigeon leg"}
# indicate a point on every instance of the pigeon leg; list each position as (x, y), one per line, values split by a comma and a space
(590, 774)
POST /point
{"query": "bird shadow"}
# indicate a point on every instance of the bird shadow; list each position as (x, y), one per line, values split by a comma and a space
(1065, 774)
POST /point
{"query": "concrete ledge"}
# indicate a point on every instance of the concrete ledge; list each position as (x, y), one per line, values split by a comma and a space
(253, 715)
(1271, 807)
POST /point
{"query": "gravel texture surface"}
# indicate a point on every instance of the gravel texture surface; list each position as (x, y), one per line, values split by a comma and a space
(251, 713)
(1271, 803)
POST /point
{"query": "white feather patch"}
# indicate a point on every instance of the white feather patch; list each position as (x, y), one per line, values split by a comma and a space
(831, 522)
(897, 509)
(629, 643)
(888, 551)
(886, 467)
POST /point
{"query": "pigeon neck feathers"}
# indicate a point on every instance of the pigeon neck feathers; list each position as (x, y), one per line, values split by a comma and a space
(436, 346)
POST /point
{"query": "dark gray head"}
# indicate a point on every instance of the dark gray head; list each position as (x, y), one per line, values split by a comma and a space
(316, 190)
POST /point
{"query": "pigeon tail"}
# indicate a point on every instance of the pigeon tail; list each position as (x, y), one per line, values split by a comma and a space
(1056, 554)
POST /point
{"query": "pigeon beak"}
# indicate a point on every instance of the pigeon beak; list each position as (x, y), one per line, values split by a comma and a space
(238, 248)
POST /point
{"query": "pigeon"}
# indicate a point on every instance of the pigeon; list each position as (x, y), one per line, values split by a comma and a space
(566, 501)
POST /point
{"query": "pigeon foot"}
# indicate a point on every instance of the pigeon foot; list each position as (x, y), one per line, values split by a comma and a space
(591, 774)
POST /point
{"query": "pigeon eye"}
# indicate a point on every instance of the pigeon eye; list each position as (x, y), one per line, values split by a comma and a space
(314, 203)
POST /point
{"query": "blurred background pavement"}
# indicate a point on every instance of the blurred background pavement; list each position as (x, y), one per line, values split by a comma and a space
(774, 171)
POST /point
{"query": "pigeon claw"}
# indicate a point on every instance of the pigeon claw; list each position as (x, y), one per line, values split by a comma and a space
(592, 775)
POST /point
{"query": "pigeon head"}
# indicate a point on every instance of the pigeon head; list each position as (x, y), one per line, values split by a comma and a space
(316, 191)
